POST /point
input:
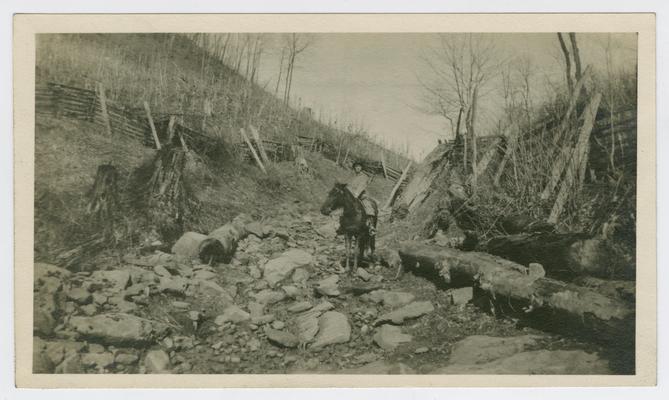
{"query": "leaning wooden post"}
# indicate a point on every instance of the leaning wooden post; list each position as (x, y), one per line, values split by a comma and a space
(397, 185)
(578, 155)
(253, 151)
(383, 164)
(103, 106)
(170, 128)
(153, 127)
(261, 148)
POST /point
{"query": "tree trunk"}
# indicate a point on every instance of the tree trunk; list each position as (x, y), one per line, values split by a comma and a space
(567, 60)
(508, 288)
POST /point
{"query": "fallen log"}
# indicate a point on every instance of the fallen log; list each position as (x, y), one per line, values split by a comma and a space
(221, 244)
(563, 255)
(507, 287)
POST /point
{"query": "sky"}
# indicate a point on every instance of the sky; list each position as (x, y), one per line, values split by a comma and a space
(373, 79)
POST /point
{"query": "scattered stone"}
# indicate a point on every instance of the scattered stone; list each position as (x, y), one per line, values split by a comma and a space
(70, 365)
(156, 362)
(307, 327)
(96, 348)
(80, 296)
(255, 272)
(232, 314)
(364, 329)
(204, 275)
(99, 298)
(300, 275)
(213, 289)
(97, 360)
(116, 280)
(412, 310)
(388, 337)
(375, 296)
(281, 338)
(262, 319)
(363, 274)
(396, 299)
(280, 268)
(421, 350)
(333, 328)
(300, 306)
(162, 271)
(126, 358)
(181, 305)
(328, 286)
(256, 309)
(174, 285)
(461, 295)
(291, 291)
(278, 325)
(118, 329)
(89, 309)
(267, 296)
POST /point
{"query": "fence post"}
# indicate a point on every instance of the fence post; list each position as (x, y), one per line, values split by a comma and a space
(103, 105)
(153, 127)
(397, 186)
(253, 151)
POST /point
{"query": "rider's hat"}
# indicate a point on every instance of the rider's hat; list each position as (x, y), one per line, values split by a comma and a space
(356, 163)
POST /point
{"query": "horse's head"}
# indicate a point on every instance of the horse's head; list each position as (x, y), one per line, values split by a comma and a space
(335, 198)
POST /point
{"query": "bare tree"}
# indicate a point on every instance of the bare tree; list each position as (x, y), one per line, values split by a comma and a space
(461, 66)
(295, 44)
(567, 60)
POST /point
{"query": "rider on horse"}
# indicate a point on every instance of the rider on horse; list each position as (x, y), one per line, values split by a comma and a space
(358, 187)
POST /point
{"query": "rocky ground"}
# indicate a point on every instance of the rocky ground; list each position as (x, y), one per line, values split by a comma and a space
(284, 304)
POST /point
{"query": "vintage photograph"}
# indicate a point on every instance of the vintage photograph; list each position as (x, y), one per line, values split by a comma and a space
(335, 203)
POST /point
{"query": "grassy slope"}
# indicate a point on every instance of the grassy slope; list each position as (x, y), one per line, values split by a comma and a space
(67, 153)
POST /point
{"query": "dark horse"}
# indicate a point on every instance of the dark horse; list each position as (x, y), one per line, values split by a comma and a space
(353, 222)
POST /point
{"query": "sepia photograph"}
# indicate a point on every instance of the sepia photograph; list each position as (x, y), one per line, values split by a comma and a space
(335, 203)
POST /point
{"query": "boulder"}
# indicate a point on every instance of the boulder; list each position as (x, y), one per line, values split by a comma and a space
(118, 329)
(174, 285)
(363, 274)
(300, 275)
(156, 362)
(300, 306)
(280, 268)
(388, 337)
(333, 328)
(281, 338)
(412, 310)
(188, 244)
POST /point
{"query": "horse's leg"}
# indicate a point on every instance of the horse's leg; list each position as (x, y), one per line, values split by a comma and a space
(358, 242)
(347, 241)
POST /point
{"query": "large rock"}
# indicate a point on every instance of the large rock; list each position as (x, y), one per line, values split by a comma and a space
(413, 310)
(281, 338)
(188, 244)
(118, 329)
(70, 365)
(329, 286)
(480, 349)
(80, 296)
(116, 280)
(280, 268)
(396, 299)
(333, 328)
(540, 362)
(388, 337)
(232, 314)
(156, 362)
(267, 296)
